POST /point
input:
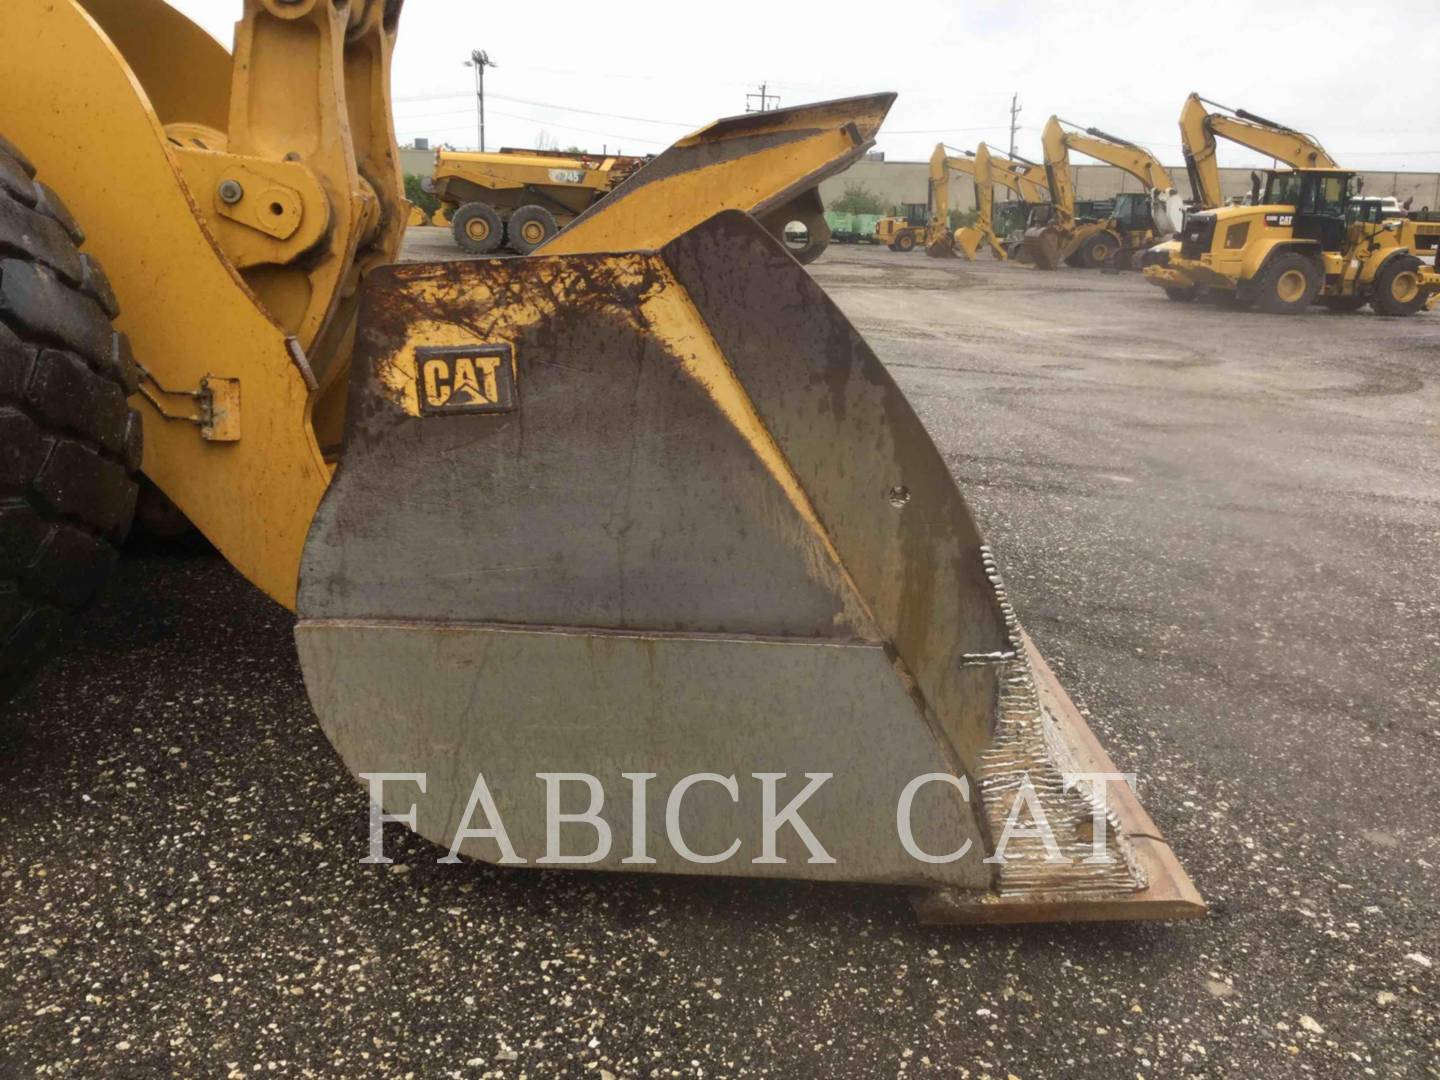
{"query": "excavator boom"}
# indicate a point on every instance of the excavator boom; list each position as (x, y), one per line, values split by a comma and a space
(1015, 176)
(1061, 238)
(1199, 128)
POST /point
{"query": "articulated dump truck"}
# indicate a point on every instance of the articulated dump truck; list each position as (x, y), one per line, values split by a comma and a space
(642, 503)
(520, 198)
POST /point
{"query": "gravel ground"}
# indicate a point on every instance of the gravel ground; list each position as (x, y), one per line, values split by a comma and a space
(1221, 529)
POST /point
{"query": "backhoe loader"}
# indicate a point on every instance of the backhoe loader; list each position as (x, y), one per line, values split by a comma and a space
(1307, 238)
(642, 505)
(1020, 177)
(1138, 220)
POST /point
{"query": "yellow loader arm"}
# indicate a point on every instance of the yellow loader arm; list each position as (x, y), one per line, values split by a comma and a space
(1199, 128)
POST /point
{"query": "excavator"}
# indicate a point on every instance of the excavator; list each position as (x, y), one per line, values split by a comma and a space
(1306, 238)
(1020, 177)
(900, 234)
(642, 506)
(1138, 219)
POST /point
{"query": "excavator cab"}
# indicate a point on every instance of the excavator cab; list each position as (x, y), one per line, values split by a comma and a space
(1132, 212)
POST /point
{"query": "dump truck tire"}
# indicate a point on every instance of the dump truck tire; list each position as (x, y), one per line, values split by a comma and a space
(477, 228)
(1287, 285)
(1397, 288)
(529, 227)
(70, 444)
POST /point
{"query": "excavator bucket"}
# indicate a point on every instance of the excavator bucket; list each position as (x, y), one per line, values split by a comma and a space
(656, 531)
(1043, 247)
(968, 241)
(940, 244)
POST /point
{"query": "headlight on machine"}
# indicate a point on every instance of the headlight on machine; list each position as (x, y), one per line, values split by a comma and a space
(1235, 235)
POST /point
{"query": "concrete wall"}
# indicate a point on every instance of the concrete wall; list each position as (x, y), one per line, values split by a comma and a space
(900, 182)
(418, 162)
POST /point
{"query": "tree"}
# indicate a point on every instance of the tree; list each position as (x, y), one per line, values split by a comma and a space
(416, 193)
(858, 199)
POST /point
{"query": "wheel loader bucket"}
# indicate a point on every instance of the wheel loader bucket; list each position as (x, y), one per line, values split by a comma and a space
(768, 164)
(661, 518)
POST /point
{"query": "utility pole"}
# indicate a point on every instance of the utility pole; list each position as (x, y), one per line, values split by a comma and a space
(765, 99)
(480, 60)
(1014, 121)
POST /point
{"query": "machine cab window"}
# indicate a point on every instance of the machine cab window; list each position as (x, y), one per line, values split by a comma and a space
(1132, 211)
(1325, 194)
(1282, 189)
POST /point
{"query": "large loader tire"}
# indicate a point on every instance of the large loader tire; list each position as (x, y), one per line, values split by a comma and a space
(1098, 250)
(69, 442)
(477, 228)
(1287, 285)
(529, 227)
(1397, 290)
(905, 241)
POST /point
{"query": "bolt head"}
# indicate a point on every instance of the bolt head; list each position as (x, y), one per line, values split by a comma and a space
(231, 192)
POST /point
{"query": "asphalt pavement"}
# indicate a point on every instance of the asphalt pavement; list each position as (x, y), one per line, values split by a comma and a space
(1222, 529)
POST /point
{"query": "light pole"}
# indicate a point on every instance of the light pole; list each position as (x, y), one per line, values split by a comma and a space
(480, 60)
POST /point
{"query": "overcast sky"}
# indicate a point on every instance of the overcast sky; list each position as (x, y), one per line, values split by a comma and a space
(638, 75)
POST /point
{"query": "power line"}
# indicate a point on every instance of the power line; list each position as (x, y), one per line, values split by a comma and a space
(554, 105)
(543, 122)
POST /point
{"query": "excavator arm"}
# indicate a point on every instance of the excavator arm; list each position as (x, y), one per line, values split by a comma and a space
(1060, 238)
(988, 170)
(1019, 177)
(1057, 170)
(938, 241)
(1199, 128)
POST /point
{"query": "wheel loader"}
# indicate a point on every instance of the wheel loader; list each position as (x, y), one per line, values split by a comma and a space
(642, 505)
(1307, 238)
(1137, 220)
(901, 233)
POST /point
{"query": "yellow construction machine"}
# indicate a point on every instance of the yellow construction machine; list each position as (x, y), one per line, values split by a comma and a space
(1307, 236)
(518, 199)
(1024, 179)
(643, 507)
(900, 233)
(1137, 221)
